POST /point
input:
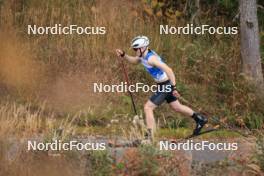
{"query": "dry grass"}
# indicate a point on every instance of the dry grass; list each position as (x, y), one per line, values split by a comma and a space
(207, 67)
(21, 119)
(18, 123)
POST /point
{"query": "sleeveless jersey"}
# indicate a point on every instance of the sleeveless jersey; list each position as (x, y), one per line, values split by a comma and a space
(156, 73)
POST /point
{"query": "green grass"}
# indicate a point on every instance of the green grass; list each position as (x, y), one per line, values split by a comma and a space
(184, 132)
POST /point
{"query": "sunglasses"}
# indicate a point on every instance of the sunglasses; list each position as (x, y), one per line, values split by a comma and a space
(135, 49)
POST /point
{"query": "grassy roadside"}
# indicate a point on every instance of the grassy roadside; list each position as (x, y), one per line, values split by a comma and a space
(29, 120)
(25, 121)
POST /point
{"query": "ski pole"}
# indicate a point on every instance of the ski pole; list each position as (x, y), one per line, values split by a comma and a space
(127, 80)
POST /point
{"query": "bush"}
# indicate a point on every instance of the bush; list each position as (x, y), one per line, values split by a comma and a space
(98, 163)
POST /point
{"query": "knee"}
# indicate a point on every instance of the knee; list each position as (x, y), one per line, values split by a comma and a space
(147, 107)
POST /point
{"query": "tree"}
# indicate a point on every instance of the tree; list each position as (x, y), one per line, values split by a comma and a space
(250, 51)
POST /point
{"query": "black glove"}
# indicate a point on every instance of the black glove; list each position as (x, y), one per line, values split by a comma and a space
(123, 54)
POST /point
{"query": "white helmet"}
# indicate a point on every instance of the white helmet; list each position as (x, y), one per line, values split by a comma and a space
(139, 42)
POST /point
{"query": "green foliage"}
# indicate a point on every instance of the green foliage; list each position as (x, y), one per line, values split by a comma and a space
(98, 163)
(225, 85)
(181, 87)
(174, 133)
(91, 119)
(126, 102)
(149, 163)
(228, 5)
(254, 121)
(174, 123)
(125, 99)
(120, 166)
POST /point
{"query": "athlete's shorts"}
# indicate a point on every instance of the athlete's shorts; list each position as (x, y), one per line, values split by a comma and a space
(161, 95)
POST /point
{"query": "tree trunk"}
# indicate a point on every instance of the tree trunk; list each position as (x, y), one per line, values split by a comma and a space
(250, 51)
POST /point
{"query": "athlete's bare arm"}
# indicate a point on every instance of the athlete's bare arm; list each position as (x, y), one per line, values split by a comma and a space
(130, 59)
(153, 60)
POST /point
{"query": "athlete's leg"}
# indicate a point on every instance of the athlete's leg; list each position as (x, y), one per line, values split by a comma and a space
(148, 109)
(199, 118)
(178, 107)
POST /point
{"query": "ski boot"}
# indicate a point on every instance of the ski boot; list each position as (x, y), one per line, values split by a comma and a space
(200, 122)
